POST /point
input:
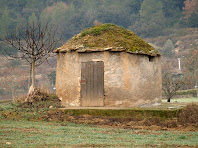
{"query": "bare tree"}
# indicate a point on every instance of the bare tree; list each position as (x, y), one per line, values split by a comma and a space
(35, 43)
(171, 84)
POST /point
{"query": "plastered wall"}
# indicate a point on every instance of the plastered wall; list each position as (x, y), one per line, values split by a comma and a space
(129, 80)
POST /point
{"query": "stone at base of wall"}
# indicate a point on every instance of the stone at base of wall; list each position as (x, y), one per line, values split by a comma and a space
(72, 104)
(150, 105)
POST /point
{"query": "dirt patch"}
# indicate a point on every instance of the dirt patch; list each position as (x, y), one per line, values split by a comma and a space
(94, 145)
(127, 123)
(102, 121)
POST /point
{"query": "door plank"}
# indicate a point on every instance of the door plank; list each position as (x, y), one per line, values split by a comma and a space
(83, 84)
(92, 90)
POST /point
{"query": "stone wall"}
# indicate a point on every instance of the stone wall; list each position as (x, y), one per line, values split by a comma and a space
(129, 79)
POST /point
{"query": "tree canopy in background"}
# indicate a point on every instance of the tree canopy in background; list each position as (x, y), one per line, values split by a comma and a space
(151, 20)
(147, 18)
(190, 11)
(168, 49)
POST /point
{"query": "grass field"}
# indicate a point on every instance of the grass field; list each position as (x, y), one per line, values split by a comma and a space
(50, 134)
(182, 100)
(29, 128)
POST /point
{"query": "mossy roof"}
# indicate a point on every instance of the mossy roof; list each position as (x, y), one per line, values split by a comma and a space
(108, 37)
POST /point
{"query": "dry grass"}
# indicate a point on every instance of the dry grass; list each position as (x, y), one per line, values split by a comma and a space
(189, 115)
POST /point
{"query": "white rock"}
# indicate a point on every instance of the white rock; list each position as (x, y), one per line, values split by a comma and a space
(8, 143)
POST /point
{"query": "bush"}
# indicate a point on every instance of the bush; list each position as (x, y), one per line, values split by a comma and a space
(39, 99)
(189, 114)
(187, 92)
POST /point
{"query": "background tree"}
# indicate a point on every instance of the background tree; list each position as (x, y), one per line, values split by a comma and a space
(56, 15)
(35, 43)
(172, 80)
(5, 22)
(192, 64)
(168, 49)
(190, 8)
(5, 47)
(193, 20)
(32, 19)
(164, 15)
(52, 78)
(152, 19)
(171, 84)
(190, 11)
(149, 8)
(172, 12)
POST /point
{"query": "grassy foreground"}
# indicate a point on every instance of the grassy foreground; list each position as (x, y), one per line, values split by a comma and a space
(38, 126)
(51, 134)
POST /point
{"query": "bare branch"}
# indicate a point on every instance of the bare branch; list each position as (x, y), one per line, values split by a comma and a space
(34, 42)
(171, 85)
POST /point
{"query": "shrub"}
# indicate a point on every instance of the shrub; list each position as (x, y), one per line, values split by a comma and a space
(39, 99)
(192, 92)
(189, 114)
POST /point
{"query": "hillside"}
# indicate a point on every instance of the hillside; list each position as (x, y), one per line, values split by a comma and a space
(155, 21)
(14, 77)
(183, 40)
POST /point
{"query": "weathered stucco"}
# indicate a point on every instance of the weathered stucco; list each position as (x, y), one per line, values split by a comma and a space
(129, 79)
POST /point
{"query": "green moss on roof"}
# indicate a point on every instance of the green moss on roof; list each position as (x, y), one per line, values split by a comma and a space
(109, 36)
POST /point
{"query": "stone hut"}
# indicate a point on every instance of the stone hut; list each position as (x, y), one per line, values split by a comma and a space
(107, 65)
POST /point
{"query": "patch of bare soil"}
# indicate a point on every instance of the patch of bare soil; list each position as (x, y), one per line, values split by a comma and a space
(93, 145)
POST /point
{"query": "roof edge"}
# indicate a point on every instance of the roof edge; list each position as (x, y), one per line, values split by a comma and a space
(82, 49)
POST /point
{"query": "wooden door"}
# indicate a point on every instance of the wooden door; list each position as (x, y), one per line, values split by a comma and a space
(92, 83)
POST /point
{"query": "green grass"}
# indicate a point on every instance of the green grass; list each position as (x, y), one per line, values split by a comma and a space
(50, 134)
(176, 103)
(182, 100)
(25, 128)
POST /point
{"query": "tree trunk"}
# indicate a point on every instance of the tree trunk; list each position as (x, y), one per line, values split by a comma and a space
(30, 77)
(196, 87)
(33, 74)
(168, 100)
(32, 87)
(13, 95)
